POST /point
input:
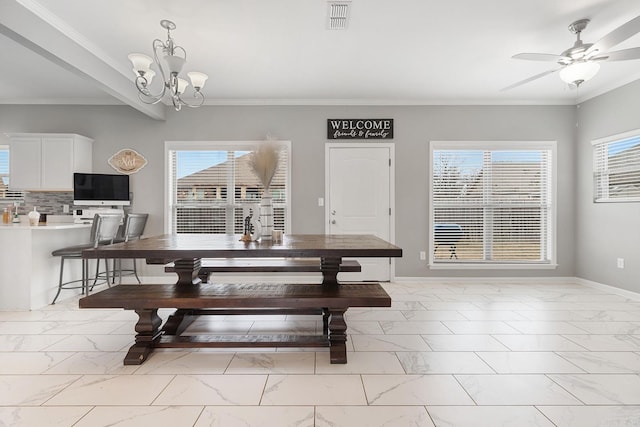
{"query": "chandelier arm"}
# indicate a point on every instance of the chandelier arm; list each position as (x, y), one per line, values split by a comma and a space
(143, 90)
(197, 95)
(172, 84)
(184, 52)
(158, 44)
(177, 102)
(147, 99)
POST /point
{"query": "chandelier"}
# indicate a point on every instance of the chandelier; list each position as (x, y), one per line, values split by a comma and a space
(173, 59)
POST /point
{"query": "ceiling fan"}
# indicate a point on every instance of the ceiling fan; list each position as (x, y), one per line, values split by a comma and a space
(581, 62)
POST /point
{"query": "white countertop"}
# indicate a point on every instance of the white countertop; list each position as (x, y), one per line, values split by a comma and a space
(55, 226)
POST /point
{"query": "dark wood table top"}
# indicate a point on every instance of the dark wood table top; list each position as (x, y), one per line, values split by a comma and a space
(171, 247)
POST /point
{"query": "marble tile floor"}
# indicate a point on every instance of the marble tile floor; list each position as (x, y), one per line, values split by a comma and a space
(448, 354)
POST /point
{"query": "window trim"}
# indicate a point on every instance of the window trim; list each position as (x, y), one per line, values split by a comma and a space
(225, 146)
(19, 193)
(635, 133)
(493, 145)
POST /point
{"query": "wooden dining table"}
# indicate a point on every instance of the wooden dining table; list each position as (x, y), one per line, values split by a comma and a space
(186, 252)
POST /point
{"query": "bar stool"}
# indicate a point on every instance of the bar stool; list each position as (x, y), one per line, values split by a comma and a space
(103, 232)
(134, 225)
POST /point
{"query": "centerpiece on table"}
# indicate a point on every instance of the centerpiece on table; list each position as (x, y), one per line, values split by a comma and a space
(264, 164)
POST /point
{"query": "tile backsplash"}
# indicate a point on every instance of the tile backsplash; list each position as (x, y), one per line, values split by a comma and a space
(48, 202)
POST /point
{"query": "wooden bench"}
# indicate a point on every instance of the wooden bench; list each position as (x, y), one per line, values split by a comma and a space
(195, 300)
(276, 265)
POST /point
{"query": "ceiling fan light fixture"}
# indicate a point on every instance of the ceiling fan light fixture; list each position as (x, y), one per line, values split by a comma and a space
(579, 72)
(581, 62)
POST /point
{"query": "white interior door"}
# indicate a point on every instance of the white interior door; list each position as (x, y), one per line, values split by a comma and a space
(359, 189)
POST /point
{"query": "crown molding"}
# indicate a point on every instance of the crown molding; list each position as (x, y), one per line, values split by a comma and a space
(380, 102)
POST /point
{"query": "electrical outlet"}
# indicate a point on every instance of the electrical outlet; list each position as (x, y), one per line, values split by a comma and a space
(65, 208)
(620, 262)
(320, 201)
(423, 255)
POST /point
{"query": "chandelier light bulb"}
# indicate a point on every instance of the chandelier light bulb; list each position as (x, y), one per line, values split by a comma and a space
(149, 75)
(174, 63)
(182, 85)
(197, 79)
(141, 62)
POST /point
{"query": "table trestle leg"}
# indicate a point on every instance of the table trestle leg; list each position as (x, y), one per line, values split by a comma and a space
(329, 266)
(178, 322)
(148, 334)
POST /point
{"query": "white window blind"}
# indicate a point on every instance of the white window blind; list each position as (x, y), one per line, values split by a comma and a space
(212, 189)
(492, 203)
(616, 168)
(7, 196)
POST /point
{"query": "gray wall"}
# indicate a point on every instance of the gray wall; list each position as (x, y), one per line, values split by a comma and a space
(606, 231)
(117, 127)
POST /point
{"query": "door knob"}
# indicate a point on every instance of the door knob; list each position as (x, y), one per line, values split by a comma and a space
(333, 221)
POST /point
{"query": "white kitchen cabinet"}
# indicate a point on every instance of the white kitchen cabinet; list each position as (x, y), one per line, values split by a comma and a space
(47, 161)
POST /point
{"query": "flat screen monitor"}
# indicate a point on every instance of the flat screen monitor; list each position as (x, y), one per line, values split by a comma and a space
(94, 189)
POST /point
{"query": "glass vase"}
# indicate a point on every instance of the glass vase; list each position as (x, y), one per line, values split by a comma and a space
(266, 215)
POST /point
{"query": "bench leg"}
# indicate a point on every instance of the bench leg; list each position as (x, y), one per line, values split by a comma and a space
(148, 333)
(337, 336)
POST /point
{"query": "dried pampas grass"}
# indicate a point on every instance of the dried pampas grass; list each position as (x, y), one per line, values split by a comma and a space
(264, 163)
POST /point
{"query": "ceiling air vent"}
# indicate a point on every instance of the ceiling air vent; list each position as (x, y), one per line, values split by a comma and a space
(338, 18)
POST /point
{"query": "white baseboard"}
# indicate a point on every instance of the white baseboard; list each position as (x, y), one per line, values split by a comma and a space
(485, 280)
(537, 280)
(614, 290)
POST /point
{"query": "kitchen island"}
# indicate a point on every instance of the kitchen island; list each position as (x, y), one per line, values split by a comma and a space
(28, 272)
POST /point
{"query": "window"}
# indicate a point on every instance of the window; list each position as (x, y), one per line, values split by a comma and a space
(492, 204)
(211, 187)
(616, 168)
(6, 196)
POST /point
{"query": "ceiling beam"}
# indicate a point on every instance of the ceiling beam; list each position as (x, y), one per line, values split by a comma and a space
(28, 24)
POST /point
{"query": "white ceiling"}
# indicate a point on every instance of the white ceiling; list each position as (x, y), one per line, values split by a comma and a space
(394, 52)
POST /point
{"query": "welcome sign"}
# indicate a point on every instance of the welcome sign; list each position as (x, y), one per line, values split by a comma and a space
(359, 128)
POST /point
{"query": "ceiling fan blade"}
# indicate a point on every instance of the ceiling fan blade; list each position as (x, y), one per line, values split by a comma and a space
(530, 79)
(538, 57)
(620, 55)
(616, 36)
